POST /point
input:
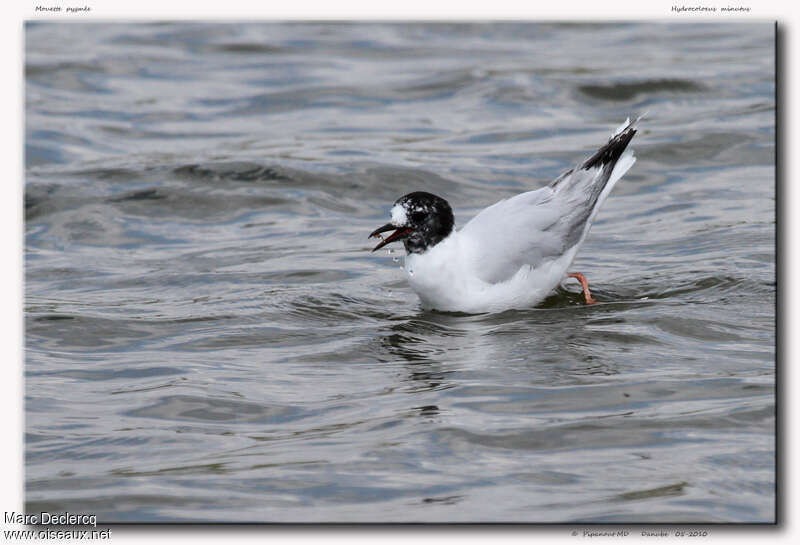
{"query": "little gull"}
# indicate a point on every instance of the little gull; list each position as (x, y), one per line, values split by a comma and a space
(514, 253)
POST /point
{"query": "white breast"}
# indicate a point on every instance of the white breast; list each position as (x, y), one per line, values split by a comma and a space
(445, 278)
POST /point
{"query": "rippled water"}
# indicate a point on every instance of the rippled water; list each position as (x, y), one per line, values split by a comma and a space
(209, 338)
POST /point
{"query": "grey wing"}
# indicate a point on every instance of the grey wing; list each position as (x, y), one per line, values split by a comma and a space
(530, 228)
(542, 225)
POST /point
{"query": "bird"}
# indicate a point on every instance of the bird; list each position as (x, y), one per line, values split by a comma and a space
(514, 253)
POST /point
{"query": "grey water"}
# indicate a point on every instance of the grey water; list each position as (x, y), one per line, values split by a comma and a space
(209, 338)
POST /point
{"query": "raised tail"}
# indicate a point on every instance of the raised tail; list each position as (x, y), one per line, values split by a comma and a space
(613, 150)
(588, 184)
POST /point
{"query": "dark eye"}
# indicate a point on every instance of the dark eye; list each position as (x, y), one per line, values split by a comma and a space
(417, 217)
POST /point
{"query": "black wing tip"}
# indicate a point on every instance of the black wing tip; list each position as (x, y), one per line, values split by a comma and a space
(611, 152)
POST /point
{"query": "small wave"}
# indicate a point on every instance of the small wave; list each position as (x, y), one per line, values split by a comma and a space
(630, 90)
(206, 409)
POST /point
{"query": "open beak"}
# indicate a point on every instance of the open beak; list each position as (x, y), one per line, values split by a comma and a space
(399, 234)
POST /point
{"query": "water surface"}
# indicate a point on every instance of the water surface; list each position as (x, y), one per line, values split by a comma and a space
(208, 337)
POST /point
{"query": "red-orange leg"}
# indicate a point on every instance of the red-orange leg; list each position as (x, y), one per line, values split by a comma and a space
(585, 284)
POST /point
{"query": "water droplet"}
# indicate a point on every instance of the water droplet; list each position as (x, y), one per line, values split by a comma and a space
(396, 259)
(391, 251)
(389, 293)
(411, 272)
